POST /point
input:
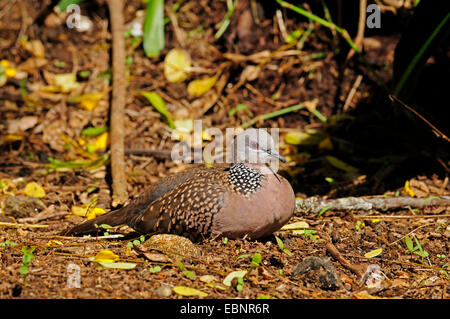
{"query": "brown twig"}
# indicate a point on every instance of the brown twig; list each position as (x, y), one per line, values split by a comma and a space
(119, 183)
(352, 92)
(357, 269)
(361, 26)
(41, 216)
(434, 128)
(314, 205)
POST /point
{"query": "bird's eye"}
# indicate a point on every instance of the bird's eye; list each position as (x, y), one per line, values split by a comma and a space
(254, 145)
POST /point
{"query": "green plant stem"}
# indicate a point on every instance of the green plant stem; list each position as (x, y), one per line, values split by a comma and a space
(338, 29)
(419, 54)
(270, 115)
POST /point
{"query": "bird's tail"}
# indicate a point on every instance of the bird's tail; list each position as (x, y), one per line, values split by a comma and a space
(114, 218)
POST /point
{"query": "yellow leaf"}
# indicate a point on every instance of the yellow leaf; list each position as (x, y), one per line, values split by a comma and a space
(177, 64)
(408, 190)
(296, 138)
(54, 243)
(33, 189)
(5, 63)
(66, 82)
(206, 136)
(88, 101)
(376, 220)
(186, 125)
(101, 142)
(13, 138)
(106, 255)
(295, 225)
(373, 253)
(10, 72)
(201, 86)
(341, 164)
(91, 214)
(79, 211)
(95, 212)
(188, 292)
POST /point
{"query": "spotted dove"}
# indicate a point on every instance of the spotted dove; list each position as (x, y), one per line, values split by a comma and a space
(246, 198)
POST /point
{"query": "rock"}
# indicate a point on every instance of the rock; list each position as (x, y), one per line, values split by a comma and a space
(22, 206)
(164, 291)
(318, 271)
(174, 246)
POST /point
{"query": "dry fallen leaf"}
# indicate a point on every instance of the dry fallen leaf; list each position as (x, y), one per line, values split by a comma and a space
(201, 86)
(189, 292)
(91, 214)
(33, 189)
(235, 274)
(373, 253)
(22, 124)
(106, 255)
(177, 64)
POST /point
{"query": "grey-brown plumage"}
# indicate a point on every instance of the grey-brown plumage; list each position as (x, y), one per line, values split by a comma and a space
(225, 200)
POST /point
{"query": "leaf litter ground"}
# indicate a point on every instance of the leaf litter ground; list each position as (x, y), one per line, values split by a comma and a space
(44, 127)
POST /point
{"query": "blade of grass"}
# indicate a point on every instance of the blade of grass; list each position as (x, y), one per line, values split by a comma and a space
(270, 115)
(339, 30)
(154, 28)
(227, 19)
(63, 4)
(419, 54)
(159, 104)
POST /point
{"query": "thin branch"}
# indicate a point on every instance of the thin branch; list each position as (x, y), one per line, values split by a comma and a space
(119, 182)
(434, 128)
(315, 205)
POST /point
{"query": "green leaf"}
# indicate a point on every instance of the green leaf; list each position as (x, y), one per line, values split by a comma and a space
(94, 131)
(189, 274)
(23, 269)
(136, 242)
(409, 243)
(323, 210)
(63, 4)
(120, 265)
(422, 253)
(155, 269)
(373, 253)
(279, 242)
(154, 28)
(159, 104)
(256, 259)
(287, 251)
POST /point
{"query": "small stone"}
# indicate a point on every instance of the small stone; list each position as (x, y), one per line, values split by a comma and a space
(318, 271)
(174, 246)
(164, 291)
(22, 206)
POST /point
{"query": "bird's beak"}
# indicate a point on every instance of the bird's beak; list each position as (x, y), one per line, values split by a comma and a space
(277, 155)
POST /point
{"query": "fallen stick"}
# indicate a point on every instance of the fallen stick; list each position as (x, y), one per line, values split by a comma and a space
(315, 205)
(119, 182)
(16, 225)
(40, 217)
(357, 269)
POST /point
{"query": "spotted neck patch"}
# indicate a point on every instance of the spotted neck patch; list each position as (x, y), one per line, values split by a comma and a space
(244, 179)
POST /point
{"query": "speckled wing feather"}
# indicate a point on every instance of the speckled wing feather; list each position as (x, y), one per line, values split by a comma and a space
(189, 208)
(162, 191)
